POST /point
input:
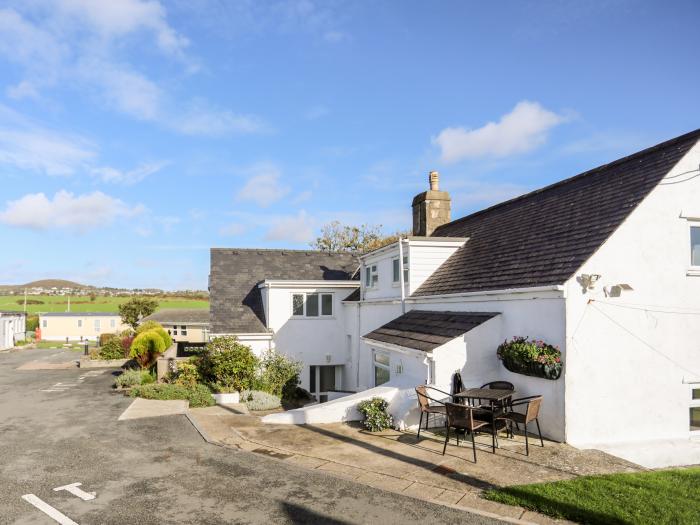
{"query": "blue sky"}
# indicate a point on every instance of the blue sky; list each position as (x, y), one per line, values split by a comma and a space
(136, 134)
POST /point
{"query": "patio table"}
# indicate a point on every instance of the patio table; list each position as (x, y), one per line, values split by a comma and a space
(493, 396)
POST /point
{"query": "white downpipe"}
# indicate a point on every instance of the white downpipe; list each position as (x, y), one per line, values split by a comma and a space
(401, 283)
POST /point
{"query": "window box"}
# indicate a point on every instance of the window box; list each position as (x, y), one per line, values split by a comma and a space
(533, 369)
(531, 358)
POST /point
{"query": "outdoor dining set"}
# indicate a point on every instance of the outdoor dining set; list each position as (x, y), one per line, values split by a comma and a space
(488, 409)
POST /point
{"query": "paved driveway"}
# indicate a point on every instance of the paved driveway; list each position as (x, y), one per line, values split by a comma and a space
(59, 427)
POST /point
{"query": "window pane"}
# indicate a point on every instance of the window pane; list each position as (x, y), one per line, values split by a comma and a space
(327, 378)
(696, 393)
(312, 379)
(382, 359)
(694, 418)
(368, 279)
(381, 376)
(375, 279)
(695, 245)
(396, 270)
(297, 304)
(312, 305)
(326, 304)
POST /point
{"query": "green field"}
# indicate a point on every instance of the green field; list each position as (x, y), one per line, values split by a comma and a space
(58, 303)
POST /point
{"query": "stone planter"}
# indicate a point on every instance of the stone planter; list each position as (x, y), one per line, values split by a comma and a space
(552, 372)
(227, 398)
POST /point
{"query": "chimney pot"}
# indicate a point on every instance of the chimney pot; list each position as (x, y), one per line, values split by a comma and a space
(434, 179)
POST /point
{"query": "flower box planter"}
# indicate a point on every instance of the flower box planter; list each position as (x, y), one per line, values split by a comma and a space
(544, 371)
(228, 398)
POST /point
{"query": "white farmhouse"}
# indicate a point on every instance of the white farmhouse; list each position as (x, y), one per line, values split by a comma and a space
(605, 265)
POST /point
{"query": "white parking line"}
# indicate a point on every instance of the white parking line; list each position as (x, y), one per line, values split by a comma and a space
(47, 509)
(73, 489)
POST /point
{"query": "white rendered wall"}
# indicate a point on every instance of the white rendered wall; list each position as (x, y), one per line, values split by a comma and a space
(426, 257)
(632, 359)
(311, 340)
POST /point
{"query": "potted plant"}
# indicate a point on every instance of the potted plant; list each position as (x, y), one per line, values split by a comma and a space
(522, 355)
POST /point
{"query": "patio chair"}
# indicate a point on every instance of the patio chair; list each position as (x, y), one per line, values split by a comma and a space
(461, 418)
(425, 406)
(532, 411)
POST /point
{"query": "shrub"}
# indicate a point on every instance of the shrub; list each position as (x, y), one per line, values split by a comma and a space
(146, 348)
(228, 363)
(376, 416)
(29, 301)
(106, 337)
(112, 349)
(187, 374)
(32, 323)
(146, 326)
(276, 371)
(259, 400)
(21, 342)
(198, 396)
(522, 350)
(130, 378)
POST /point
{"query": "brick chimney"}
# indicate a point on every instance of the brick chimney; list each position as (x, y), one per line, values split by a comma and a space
(430, 208)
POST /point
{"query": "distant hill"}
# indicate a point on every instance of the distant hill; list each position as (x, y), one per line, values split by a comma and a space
(51, 283)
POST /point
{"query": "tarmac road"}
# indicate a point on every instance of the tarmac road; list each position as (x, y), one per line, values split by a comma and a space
(59, 427)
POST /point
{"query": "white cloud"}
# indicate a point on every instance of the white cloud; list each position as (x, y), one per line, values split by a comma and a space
(24, 89)
(232, 230)
(520, 131)
(263, 187)
(66, 210)
(114, 175)
(302, 197)
(292, 228)
(200, 119)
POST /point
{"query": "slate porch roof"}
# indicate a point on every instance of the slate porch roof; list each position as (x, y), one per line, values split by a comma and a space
(544, 237)
(180, 316)
(426, 330)
(235, 301)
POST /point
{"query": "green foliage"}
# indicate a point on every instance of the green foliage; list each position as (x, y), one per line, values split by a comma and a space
(376, 416)
(21, 342)
(106, 337)
(32, 323)
(198, 396)
(136, 309)
(146, 326)
(522, 350)
(258, 400)
(146, 348)
(130, 378)
(228, 363)
(336, 237)
(276, 371)
(644, 498)
(187, 374)
(112, 349)
(22, 302)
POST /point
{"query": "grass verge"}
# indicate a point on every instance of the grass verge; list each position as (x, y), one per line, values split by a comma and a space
(666, 496)
(198, 396)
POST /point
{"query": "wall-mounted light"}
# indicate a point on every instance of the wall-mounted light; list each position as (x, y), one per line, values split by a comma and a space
(588, 280)
(328, 358)
(617, 289)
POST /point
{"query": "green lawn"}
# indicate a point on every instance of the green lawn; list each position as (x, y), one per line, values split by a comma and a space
(58, 344)
(667, 496)
(57, 303)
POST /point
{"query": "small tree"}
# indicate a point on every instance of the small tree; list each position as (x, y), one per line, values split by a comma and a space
(276, 370)
(337, 237)
(146, 348)
(136, 309)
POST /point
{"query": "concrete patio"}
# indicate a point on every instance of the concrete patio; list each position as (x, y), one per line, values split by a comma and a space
(396, 461)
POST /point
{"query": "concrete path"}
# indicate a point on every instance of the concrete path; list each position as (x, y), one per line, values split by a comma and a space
(397, 462)
(58, 431)
(141, 408)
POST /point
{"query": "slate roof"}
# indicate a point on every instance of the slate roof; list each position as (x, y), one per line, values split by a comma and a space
(235, 301)
(543, 237)
(354, 296)
(426, 330)
(180, 316)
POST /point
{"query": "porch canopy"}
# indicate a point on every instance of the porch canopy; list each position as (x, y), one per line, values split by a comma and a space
(425, 330)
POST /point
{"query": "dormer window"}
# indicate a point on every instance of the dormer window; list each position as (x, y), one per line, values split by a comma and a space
(371, 276)
(395, 264)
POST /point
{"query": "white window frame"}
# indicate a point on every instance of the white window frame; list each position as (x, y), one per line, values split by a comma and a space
(691, 225)
(97, 325)
(396, 279)
(371, 276)
(112, 323)
(44, 323)
(694, 403)
(320, 315)
(80, 323)
(376, 364)
(183, 329)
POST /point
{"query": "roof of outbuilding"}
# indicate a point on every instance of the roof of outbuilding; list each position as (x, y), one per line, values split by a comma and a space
(80, 314)
(180, 316)
(235, 301)
(426, 330)
(543, 237)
